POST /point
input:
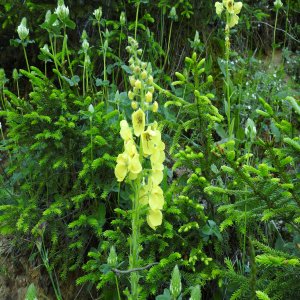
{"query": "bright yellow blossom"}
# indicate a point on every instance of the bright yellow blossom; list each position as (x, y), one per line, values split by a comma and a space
(125, 131)
(138, 122)
(219, 8)
(156, 198)
(154, 218)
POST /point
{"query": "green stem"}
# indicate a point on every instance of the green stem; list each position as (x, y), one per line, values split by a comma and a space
(54, 58)
(135, 243)
(67, 51)
(104, 62)
(168, 47)
(136, 19)
(118, 289)
(286, 22)
(274, 36)
(25, 54)
(227, 79)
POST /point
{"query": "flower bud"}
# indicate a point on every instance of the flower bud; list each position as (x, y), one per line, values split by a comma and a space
(112, 259)
(210, 78)
(85, 45)
(22, 30)
(45, 49)
(134, 105)
(47, 16)
(91, 108)
(144, 74)
(137, 69)
(132, 81)
(131, 95)
(150, 80)
(151, 89)
(98, 13)
(175, 286)
(62, 11)
(15, 74)
(155, 107)
(138, 84)
(122, 18)
(278, 4)
(148, 97)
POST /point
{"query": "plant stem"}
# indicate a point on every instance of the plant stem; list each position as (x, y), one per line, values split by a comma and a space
(25, 54)
(54, 58)
(67, 51)
(117, 285)
(286, 22)
(136, 19)
(135, 243)
(227, 79)
(104, 63)
(274, 36)
(168, 47)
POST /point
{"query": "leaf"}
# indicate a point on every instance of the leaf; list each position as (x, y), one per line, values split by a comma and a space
(166, 296)
(31, 293)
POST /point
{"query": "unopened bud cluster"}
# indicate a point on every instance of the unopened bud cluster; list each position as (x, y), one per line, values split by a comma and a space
(141, 81)
(22, 30)
(62, 11)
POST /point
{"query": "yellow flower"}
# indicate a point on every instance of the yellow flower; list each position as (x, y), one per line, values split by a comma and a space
(233, 20)
(219, 8)
(121, 168)
(130, 148)
(154, 218)
(157, 159)
(144, 194)
(237, 7)
(138, 122)
(150, 140)
(156, 177)
(125, 131)
(229, 4)
(135, 166)
(156, 198)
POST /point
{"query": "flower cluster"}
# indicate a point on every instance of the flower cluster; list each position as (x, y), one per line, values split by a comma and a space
(61, 10)
(141, 81)
(142, 144)
(232, 8)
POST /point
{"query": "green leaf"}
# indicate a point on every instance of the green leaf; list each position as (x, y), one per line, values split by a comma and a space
(31, 293)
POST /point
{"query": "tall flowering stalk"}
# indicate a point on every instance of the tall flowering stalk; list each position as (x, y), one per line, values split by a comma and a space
(232, 9)
(142, 148)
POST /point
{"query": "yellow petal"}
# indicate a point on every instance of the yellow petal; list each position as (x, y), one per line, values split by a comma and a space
(156, 199)
(151, 139)
(135, 166)
(156, 177)
(120, 172)
(237, 7)
(138, 122)
(122, 159)
(219, 8)
(233, 20)
(130, 148)
(144, 195)
(125, 131)
(229, 4)
(154, 218)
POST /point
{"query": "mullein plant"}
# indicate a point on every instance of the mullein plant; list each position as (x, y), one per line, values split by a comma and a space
(232, 9)
(141, 163)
